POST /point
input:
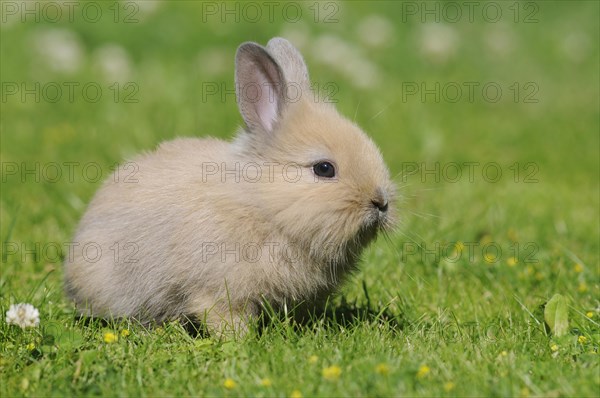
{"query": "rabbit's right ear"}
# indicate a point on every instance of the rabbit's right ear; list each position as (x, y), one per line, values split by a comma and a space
(259, 86)
(291, 62)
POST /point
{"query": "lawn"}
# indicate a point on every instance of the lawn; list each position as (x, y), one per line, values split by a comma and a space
(488, 116)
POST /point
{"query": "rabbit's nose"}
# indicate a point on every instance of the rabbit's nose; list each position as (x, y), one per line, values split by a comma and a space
(380, 200)
(382, 206)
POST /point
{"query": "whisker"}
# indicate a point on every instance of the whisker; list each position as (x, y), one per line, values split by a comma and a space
(356, 111)
(398, 253)
(402, 187)
(410, 238)
(424, 216)
(381, 111)
(388, 240)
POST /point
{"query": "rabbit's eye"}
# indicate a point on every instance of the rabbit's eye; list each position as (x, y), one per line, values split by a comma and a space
(324, 169)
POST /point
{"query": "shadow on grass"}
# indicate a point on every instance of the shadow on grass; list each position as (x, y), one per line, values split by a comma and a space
(302, 318)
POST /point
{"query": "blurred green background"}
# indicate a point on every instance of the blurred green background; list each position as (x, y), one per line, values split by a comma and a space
(155, 60)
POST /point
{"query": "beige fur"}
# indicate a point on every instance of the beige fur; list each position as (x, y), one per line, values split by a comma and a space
(191, 235)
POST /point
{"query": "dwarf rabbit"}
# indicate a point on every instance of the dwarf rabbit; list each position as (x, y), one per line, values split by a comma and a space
(212, 230)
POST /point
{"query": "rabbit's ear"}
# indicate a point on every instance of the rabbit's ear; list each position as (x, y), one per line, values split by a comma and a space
(291, 62)
(259, 86)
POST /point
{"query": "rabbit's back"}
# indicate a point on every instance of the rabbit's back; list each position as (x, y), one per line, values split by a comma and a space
(131, 255)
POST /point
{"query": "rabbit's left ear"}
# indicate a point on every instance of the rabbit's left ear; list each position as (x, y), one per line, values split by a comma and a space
(291, 62)
(260, 88)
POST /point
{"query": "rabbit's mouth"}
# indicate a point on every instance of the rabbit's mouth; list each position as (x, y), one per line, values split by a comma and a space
(366, 235)
(373, 224)
(377, 219)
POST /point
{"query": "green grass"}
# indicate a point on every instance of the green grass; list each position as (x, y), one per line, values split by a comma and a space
(477, 326)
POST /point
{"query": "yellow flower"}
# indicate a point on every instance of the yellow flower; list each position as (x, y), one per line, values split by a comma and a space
(459, 247)
(382, 369)
(582, 287)
(582, 339)
(449, 386)
(266, 383)
(504, 353)
(313, 359)
(589, 314)
(229, 384)
(524, 392)
(423, 371)
(332, 373)
(110, 337)
(489, 258)
(24, 384)
(530, 270)
(512, 261)
(578, 268)
(554, 347)
(30, 347)
(125, 332)
(539, 276)
(296, 394)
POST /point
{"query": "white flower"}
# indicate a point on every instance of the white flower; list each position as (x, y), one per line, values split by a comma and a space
(332, 51)
(361, 72)
(23, 315)
(438, 42)
(60, 49)
(113, 63)
(298, 34)
(375, 31)
(575, 45)
(347, 59)
(142, 8)
(499, 39)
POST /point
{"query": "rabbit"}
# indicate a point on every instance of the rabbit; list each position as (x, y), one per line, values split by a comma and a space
(211, 230)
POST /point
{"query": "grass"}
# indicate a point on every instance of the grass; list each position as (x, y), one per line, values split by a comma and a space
(422, 317)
